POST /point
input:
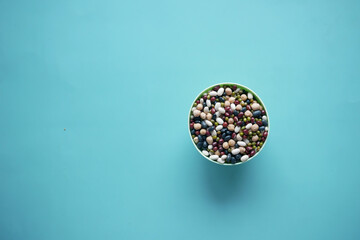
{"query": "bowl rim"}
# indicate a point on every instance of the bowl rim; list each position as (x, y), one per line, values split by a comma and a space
(255, 95)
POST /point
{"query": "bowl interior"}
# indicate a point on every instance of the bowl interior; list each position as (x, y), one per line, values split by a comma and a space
(255, 96)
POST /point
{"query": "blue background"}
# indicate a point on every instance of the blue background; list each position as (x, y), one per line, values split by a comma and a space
(120, 76)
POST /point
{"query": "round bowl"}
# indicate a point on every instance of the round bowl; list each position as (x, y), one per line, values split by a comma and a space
(255, 96)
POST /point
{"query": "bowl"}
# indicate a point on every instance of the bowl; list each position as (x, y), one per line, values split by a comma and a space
(255, 97)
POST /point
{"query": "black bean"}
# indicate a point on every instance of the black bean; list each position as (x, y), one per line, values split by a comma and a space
(228, 159)
(204, 125)
(200, 145)
(212, 128)
(262, 128)
(257, 113)
(264, 122)
(227, 138)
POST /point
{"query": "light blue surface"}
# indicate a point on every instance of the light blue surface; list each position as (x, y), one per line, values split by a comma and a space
(121, 76)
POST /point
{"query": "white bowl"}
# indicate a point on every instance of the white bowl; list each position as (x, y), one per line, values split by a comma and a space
(255, 96)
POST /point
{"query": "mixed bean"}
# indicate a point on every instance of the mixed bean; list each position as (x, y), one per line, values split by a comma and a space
(228, 124)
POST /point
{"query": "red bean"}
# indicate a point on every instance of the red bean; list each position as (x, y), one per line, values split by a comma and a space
(221, 141)
(234, 87)
(227, 114)
(265, 134)
(213, 110)
(222, 153)
(221, 148)
(212, 99)
(238, 123)
(217, 87)
(215, 144)
(237, 102)
(246, 132)
(248, 149)
(225, 124)
(263, 112)
(236, 119)
(197, 101)
(241, 114)
(215, 149)
(252, 153)
(227, 109)
(208, 133)
(197, 132)
(233, 135)
(259, 123)
(248, 107)
(191, 125)
(252, 120)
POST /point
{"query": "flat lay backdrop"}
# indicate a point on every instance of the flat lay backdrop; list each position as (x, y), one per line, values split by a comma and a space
(94, 100)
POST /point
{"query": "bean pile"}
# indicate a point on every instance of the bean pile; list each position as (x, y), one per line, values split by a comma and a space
(228, 124)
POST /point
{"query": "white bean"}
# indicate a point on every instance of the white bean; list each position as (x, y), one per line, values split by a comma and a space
(213, 93)
(220, 160)
(217, 105)
(208, 103)
(244, 158)
(220, 121)
(208, 123)
(238, 137)
(235, 151)
(220, 91)
(206, 153)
